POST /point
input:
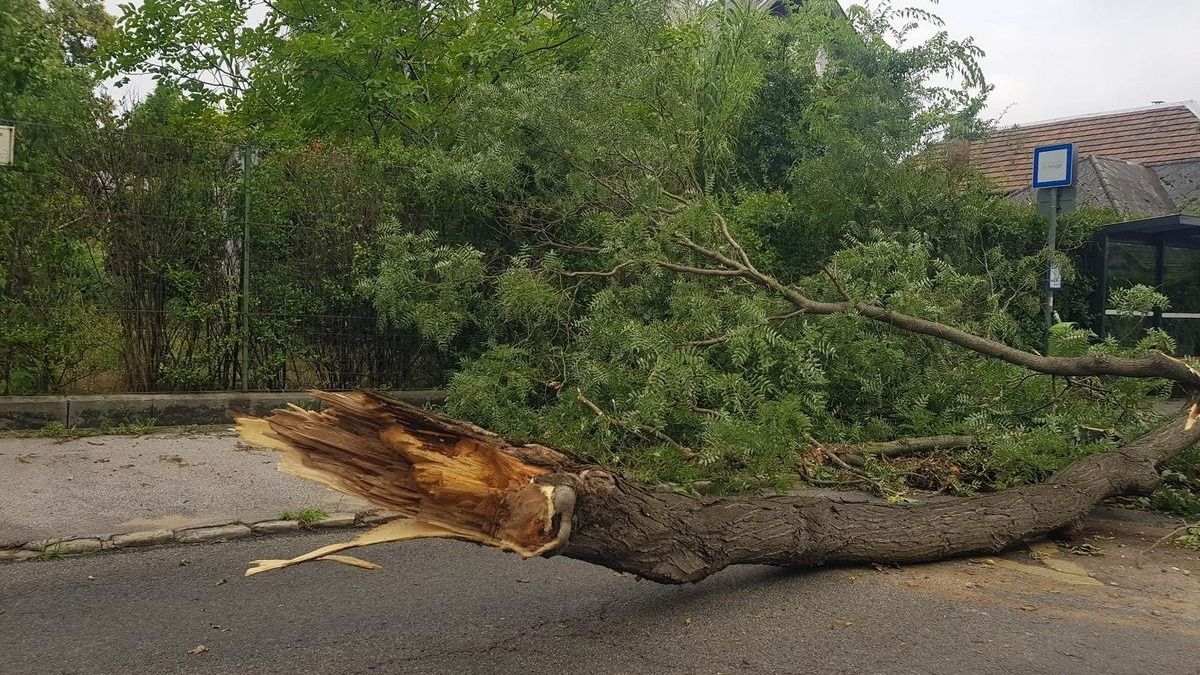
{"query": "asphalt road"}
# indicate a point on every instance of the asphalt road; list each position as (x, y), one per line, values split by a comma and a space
(446, 607)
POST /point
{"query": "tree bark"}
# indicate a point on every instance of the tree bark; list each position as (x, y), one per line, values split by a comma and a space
(451, 479)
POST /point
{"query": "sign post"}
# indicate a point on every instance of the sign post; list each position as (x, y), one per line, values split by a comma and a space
(6, 145)
(1053, 170)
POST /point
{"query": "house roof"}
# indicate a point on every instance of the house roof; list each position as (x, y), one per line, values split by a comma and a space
(1131, 190)
(1182, 183)
(1149, 136)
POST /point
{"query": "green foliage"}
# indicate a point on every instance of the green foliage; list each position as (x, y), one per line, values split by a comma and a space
(499, 388)
(1190, 539)
(1067, 339)
(530, 300)
(306, 516)
(203, 47)
(1179, 491)
(1137, 300)
(133, 427)
(57, 429)
(46, 53)
(47, 300)
(1132, 305)
(1180, 500)
(496, 184)
(423, 284)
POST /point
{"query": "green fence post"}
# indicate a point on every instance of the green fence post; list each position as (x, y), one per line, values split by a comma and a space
(245, 351)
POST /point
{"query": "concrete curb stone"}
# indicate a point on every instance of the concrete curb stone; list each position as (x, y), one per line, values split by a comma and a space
(275, 526)
(38, 544)
(377, 517)
(71, 546)
(55, 547)
(143, 538)
(199, 534)
(343, 519)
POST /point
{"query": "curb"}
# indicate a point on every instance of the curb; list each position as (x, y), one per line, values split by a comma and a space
(48, 549)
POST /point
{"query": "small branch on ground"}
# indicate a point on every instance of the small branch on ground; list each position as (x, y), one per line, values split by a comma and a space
(906, 446)
(646, 432)
(832, 454)
(1173, 533)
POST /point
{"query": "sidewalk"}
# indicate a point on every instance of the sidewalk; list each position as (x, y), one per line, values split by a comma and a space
(161, 483)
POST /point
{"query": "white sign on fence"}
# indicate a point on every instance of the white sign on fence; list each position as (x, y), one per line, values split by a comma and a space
(6, 146)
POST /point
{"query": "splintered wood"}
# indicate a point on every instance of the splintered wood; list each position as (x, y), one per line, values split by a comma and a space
(446, 482)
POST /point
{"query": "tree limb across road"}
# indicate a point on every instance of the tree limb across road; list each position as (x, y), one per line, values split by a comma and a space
(450, 479)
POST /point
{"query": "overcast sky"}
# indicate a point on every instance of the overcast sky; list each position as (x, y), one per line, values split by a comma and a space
(1058, 58)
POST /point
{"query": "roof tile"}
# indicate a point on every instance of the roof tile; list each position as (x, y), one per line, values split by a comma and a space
(1168, 133)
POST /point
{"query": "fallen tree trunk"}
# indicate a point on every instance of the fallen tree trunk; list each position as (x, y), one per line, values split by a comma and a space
(453, 480)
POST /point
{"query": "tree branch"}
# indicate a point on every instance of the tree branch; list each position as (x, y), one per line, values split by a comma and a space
(1155, 364)
(698, 270)
(646, 432)
(906, 446)
(587, 273)
(451, 480)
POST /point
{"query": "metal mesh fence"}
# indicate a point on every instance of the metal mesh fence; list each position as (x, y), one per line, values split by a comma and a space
(139, 262)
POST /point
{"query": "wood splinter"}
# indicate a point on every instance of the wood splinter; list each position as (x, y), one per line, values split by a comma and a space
(445, 480)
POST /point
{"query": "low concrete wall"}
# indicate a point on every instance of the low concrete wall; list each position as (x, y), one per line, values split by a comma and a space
(88, 411)
(32, 412)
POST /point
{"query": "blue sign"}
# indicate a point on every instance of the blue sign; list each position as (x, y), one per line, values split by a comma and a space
(1054, 166)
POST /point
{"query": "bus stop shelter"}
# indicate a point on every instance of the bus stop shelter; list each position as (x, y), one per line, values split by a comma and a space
(1162, 252)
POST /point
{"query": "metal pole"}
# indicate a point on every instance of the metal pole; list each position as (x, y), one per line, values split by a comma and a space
(1160, 261)
(245, 347)
(1050, 263)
